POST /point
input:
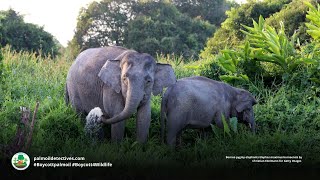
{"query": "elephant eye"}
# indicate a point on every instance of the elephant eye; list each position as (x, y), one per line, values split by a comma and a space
(147, 80)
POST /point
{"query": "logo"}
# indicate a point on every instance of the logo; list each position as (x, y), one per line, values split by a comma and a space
(20, 161)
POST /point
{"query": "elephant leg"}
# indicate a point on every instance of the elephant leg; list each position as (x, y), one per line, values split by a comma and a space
(175, 127)
(143, 122)
(117, 131)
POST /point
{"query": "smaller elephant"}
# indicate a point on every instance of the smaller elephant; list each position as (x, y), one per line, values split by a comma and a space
(194, 102)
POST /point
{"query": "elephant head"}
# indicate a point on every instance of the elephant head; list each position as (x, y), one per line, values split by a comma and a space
(244, 107)
(135, 75)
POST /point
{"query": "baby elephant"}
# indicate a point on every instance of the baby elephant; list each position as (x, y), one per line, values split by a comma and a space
(195, 101)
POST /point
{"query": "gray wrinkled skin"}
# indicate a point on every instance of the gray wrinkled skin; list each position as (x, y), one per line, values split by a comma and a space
(195, 102)
(120, 82)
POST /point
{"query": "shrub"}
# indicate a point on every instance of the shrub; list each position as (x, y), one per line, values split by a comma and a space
(229, 35)
(314, 30)
(2, 79)
(293, 16)
(266, 52)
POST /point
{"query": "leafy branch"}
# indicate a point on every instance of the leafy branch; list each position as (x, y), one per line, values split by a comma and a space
(271, 46)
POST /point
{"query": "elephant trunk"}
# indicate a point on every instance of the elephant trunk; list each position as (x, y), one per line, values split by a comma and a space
(252, 125)
(133, 99)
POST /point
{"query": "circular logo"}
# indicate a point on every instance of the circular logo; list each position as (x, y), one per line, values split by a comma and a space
(20, 161)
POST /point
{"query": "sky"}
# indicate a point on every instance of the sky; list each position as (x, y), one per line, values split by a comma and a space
(58, 17)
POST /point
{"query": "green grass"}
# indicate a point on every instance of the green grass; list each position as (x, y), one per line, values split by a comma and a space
(288, 119)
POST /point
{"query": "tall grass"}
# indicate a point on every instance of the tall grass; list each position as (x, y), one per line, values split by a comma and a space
(288, 120)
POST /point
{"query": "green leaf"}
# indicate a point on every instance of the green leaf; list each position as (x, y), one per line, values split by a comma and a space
(314, 34)
(226, 128)
(314, 17)
(316, 80)
(309, 61)
(234, 124)
(274, 48)
(261, 22)
(310, 6)
(215, 130)
(230, 78)
(134, 144)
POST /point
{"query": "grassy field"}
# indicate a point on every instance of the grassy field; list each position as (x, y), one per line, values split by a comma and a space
(287, 116)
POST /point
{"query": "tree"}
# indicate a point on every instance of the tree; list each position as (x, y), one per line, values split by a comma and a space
(229, 34)
(147, 26)
(159, 27)
(25, 36)
(102, 23)
(293, 15)
(212, 11)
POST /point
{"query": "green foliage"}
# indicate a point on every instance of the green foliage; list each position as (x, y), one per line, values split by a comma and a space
(314, 30)
(234, 124)
(160, 28)
(229, 35)
(271, 46)
(23, 36)
(226, 128)
(146, 26)
(264, 45)
(102, 23)
(59, 122)
(2, 78)
(286, 110)
(212, 11)
(207, 68)
(293, 16)
(229, 60)
(314, 24)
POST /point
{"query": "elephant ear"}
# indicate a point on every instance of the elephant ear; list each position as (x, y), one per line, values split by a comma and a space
(244, 101)
(164, 77)
(110, 74)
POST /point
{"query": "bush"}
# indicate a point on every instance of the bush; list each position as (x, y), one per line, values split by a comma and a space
(2, 79)
(293, 16)
(287, 110)
(23, 36)
(229, 35)
(266, 52)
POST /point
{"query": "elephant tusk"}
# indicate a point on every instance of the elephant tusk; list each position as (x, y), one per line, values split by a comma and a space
(250, 125)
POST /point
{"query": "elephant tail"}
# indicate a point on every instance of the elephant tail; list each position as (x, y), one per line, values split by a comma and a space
(66, 94)
(163, 115)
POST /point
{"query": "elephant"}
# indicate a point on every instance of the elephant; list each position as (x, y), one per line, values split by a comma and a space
(119, 81)
(194, 102)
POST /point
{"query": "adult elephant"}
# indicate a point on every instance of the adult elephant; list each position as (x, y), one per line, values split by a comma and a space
(120, 82)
